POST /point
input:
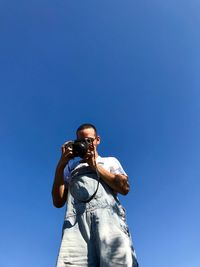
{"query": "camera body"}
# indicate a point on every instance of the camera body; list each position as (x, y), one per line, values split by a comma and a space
(80, 146)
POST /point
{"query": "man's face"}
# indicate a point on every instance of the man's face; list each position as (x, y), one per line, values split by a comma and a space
(89, 133)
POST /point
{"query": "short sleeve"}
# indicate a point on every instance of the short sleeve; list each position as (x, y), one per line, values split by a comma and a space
(66, 174)
(116, 167)
(69, 167)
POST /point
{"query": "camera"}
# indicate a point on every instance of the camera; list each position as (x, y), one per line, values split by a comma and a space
(80, 146)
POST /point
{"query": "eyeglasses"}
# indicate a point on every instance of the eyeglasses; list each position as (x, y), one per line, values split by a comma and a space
(90, 139)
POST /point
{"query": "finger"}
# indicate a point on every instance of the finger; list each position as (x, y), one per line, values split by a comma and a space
(67, 146)
(63, 149)
(68, 155)
(86, 157)
(88, 153)
(91, 147)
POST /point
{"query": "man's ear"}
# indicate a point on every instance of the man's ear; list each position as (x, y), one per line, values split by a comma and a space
(98, 139)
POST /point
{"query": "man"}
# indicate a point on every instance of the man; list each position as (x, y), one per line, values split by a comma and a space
(95, 232)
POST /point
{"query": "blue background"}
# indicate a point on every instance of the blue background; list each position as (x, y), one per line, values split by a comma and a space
(131, 68)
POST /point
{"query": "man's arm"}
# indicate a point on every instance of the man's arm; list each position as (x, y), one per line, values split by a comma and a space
(118, 182)
(59, 189)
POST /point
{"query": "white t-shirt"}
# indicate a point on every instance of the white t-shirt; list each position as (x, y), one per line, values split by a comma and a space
(110, 164)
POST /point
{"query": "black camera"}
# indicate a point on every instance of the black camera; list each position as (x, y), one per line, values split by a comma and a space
(80, 146)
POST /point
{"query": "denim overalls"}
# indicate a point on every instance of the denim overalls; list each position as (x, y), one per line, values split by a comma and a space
(95, 233)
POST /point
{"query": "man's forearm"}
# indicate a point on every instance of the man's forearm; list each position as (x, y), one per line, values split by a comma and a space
(59, 193)
(118, 182)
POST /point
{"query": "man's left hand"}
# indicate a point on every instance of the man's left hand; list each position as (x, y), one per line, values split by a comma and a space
(90, 157)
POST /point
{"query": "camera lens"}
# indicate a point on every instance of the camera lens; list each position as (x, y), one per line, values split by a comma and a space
(80, 147)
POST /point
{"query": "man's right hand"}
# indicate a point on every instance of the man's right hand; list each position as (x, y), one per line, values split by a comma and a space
(67, 153)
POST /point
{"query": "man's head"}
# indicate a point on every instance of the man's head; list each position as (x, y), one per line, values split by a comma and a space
(84, 126)
(88, 130)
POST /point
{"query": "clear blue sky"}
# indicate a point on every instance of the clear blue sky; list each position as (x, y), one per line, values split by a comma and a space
(131, 68)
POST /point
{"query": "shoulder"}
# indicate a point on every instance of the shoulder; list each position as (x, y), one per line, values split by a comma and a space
(112, 164)
(72, 164)
(110, 161)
